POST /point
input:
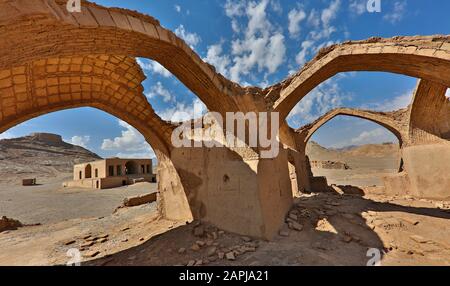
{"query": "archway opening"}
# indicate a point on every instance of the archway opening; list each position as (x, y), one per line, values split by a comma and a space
(88, 138)
(350, 151)
(88, 171)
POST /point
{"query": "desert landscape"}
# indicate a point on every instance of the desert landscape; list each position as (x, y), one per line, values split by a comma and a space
(229, 111)
(322, 229)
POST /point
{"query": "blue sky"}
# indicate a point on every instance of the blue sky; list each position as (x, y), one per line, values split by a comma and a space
(261, 42)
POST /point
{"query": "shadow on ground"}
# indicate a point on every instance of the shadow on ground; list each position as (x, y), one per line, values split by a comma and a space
(337, 230)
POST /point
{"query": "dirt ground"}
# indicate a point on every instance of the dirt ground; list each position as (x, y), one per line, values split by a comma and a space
(336, 230)
(322, 229)
(51, 203)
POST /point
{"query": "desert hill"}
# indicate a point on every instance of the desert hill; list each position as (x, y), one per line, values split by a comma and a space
(363, 165)
(39, 154)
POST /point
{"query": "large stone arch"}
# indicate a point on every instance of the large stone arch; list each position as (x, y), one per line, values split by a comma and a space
(393, 121)
(108, 83)
(429, 117)
(99, 30)
(422, 57)
(385, 119)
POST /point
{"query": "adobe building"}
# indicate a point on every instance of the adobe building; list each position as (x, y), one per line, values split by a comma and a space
(111, 173)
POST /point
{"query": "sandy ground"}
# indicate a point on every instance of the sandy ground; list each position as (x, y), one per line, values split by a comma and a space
(50, 202)
(337, 230)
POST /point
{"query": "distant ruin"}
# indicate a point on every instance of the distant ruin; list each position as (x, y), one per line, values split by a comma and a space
(111, 173)
(89, 59)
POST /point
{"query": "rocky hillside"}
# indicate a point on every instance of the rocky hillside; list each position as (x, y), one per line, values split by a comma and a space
(375, 156)
(39, 154)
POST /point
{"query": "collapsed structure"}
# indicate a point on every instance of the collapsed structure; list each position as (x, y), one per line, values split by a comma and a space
(52, 60)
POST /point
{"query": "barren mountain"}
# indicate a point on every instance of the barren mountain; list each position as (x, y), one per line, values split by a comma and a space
(40, 154)
(366, 164)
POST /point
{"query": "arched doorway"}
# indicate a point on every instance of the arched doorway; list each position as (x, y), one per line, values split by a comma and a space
(88, 171)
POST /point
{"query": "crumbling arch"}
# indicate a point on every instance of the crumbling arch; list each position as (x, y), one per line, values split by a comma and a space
(381, 118)
(420, 57)
(429, 114)
(108, 83)
(89, 33)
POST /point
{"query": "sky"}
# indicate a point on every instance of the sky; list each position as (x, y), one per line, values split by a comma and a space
(261, 42)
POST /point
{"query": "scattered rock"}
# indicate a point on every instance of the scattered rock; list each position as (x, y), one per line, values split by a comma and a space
(195, 247)
(9, 224)
(199, 231)
(246, 238)
(200, 243)
(295, 226)
(69, 242)
(284, 233)
(411, 221)
(221, 255)
(198, 262)
(92, 253)
(87, 244)
(347, 238)
(293, 216)
(182, 250)
(191, 263)
(230, 256)
(102, 240)
(418, 239)
(211, 251)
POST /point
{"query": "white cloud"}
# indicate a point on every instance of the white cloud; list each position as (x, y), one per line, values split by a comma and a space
(259, 46)
(215, 57)
(320, 100)
(330, 13)
(182, 112)
(375, 136)
(131, 143)
(398, 102)
(397, 13)
(295, 18)
(314, 19)
(358, 7)
(159, 90)
(6, 135)
(321, 29)
(177, 8)
(153, 67)
(300, 59)
(234, 8)
(81, 141)
(192, 39)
